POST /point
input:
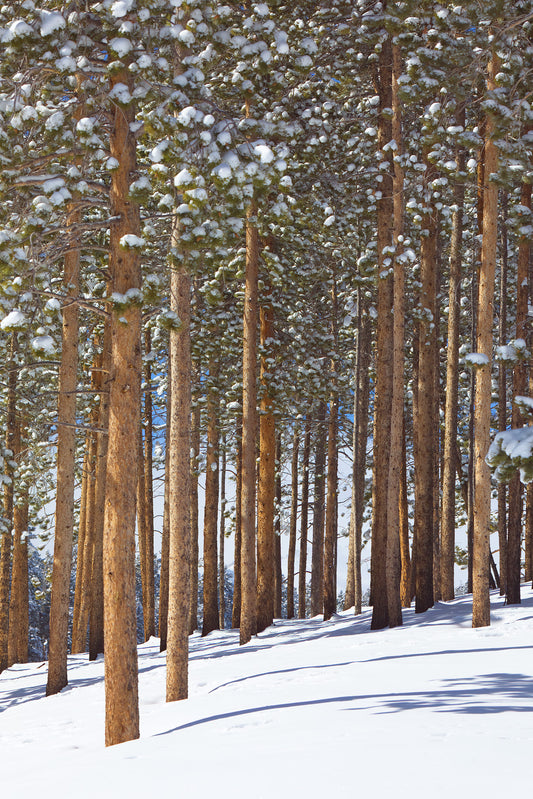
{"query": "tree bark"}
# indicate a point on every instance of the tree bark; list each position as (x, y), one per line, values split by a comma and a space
(278, 576)
(384, 348)
(149, 601)
(292, 525)
(96, 617)
(452, 386)
(222, 541)
(482, 487)
(248, 620)
(267, 480)
(66, 464)
(502, 395)
(236, 608)
(121, 681)
(210, 619)
(424, 431)
(514, 532)
(165, 538)
(393, 564)
(194, 514)
(319, 494)
(302, 568)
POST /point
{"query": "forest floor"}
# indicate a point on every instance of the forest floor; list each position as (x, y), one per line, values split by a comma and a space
(307, 709)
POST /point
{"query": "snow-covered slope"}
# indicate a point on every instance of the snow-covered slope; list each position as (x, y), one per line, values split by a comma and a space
(307, 709)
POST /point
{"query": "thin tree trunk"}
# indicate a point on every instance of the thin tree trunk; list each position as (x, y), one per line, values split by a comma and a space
(96, 618)
(292, 525)
(195, 531)
(78, 639)
(502, 394)
(165, 538)
(519, 389)
(121, 681)
(482, 487)
(406, 577)
(210, 618)
(302, 569)
(424, 423)
(236, 608)
(278, 576)
(149, 601)
(319, 494)
(248, 620)
(179, 597)
(222, 541)
(330, 537)
(7, 522)
(141, 526)
(66, 464)
(393, 562)
(19, 603)
(452, 386)
(267, 481)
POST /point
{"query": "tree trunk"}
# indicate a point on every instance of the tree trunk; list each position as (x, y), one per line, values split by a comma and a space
(236, 608)
(96, 618)
(165, 538)
(292, 525)
(393, 564)
(502, 394)
(210, 619)
(278, 576)
(121, 681)
(267, 481)
(452, 387)
(330, 537)
(222, 541)
(79, 614)
(248, 620)
(66, 464)
(195, 532)
(7, 522)
(425, 422)
(149, 601)
(302, 569)
(482, 487)
(319, 494)
(514, 531)
(19, 604)
(384, 348)
(406, 566)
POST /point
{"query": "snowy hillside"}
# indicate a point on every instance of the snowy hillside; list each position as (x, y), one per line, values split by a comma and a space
(307, 709)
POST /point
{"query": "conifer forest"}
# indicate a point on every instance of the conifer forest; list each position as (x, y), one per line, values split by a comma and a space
(241, 245)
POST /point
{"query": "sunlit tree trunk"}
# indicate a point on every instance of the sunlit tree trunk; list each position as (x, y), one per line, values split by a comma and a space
(121, 681)
(236, 607)
(266, 489)
(165, 537)
(482, 487)
(278, 576)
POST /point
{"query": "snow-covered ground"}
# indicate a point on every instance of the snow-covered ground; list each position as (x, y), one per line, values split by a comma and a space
(307, 709)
